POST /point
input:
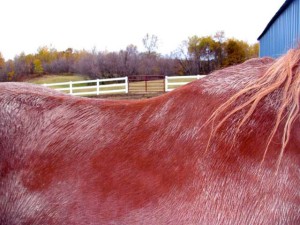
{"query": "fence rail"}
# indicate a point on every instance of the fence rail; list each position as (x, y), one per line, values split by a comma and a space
(121, 85)
(92, 87)
(173, 82)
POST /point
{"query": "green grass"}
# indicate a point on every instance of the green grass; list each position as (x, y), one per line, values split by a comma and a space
(48, 79)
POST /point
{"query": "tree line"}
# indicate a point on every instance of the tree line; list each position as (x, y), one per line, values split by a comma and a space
(197, 55)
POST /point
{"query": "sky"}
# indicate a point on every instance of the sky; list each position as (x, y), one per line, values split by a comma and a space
(111, 25)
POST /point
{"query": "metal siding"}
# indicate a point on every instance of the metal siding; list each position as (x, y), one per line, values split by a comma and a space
(283, 34)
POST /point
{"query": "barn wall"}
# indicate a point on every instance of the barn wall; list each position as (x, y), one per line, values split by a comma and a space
(283, 34)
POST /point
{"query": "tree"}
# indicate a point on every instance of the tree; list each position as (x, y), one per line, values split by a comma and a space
(3, 76)
(183, 58)
(45, 55)
(10, 70)
(23, 65)
(253, 51)
(207, 47)
(2, 61)
(129, 60)
(195, 54)
(38, 68)
(202, 51)
(150, 43)
(219, 38)
(236, 52)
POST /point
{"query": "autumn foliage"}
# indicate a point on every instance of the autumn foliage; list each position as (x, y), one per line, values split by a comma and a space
(197, 55)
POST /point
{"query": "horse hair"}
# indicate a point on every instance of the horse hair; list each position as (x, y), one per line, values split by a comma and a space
(283, 74)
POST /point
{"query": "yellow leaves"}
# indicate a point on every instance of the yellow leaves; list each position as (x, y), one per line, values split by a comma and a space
(10, 75)
(38, 67)
(2, 61)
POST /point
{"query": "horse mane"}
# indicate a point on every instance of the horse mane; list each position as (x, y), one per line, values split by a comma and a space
(283, 76)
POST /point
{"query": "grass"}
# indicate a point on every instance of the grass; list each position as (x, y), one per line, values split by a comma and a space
(182, 80)
(48, 79)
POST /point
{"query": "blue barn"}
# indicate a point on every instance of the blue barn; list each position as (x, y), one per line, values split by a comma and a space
(282, 32)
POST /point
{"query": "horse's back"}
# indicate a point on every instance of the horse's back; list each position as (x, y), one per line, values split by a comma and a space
(68, 160)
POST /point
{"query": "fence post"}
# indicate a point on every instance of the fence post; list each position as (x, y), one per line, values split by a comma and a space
(166, 83)
(98, 87)
(145, 83)
(71, 88)
(126, 85)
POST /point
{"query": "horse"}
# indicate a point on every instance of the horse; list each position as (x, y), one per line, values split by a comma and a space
(224, 149)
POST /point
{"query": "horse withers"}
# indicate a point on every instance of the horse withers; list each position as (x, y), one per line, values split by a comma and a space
(221, 150)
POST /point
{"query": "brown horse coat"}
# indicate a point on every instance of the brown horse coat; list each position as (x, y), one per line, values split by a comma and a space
(72, 160)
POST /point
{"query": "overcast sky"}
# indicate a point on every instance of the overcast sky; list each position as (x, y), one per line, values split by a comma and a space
(113, 24)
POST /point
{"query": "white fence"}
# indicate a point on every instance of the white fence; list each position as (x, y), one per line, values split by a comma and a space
(115, 85)
(174, 82)
(93, 87)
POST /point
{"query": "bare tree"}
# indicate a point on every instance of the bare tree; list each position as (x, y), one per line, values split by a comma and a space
(150, 43)
(184, 59)
(130, 60)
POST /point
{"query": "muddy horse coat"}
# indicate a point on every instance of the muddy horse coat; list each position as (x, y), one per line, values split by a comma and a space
(221, 150)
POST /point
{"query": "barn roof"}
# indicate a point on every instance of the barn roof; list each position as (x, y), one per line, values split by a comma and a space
(282, 8)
